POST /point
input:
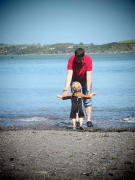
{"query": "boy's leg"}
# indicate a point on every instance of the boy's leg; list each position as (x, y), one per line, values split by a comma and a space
(77, 120)
(77, 117)
(81, 121)
(74, 123)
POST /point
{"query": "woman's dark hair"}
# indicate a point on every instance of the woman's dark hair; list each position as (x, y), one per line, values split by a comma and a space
(79, 52)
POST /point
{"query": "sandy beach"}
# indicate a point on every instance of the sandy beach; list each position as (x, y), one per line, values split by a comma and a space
(42, 152)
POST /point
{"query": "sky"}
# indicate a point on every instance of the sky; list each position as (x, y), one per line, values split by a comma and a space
(66, 21)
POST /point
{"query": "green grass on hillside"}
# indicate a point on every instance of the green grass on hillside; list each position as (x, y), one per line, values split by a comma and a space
(127, 41)
(8, 45)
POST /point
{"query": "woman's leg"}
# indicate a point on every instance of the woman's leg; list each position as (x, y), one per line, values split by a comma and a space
(87, 102)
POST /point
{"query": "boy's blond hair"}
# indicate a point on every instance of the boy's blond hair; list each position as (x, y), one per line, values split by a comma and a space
(76, 86)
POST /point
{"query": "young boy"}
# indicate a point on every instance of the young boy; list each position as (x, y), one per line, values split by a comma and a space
(76, 109)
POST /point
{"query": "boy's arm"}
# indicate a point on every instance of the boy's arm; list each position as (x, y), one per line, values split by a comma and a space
(93, 94)
(67, 96)
(64, 97)
(89, 96)
(58, 96)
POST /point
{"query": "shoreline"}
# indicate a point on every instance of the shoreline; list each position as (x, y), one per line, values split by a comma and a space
(68, 54)
(64, 127)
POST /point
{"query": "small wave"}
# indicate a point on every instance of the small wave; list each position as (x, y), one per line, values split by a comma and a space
(29, 119)
(129, 120)
(32, 120)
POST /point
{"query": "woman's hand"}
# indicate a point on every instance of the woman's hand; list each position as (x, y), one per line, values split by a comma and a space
(65, 92)
(88, 91)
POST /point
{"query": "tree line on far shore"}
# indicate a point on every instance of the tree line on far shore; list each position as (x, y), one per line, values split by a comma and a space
(67, 48)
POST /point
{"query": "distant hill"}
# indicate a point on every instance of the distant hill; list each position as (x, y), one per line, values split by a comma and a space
(127, 46)
(127, 41)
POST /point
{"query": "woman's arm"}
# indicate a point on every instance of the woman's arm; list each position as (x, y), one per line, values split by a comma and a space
(88, 78)
(68, 81)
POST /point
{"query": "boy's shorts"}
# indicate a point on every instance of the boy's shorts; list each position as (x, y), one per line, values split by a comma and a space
(86, 102)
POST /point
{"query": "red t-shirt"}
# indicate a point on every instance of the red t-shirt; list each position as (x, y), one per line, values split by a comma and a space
(79, 69)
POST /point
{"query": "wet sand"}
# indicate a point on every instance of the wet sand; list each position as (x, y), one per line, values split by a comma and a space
(59, 153)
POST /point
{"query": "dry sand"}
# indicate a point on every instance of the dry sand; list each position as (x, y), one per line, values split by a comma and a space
(64, 154)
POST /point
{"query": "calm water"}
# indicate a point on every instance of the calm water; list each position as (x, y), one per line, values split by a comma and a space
(29, 84)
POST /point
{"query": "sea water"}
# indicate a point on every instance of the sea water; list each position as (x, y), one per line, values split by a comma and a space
(29, 85)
